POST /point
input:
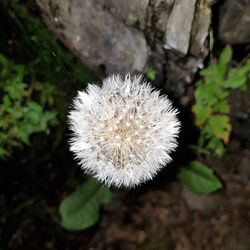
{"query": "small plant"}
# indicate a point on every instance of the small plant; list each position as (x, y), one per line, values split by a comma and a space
(151, 73)
(80, 210)
(199, 178)
(211, 110)
(20, 114)
(30, 89)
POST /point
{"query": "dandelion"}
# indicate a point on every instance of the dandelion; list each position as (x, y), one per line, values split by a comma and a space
(124, 131)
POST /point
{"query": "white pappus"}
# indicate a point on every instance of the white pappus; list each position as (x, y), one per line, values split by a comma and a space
(124, 131)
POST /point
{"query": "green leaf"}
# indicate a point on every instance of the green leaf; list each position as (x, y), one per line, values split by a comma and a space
(204, 95)
(220, 127)
(210, 72)
(224, 60)
(35, 107)
(80, 210)
(235, 81)
(151, 74)
(15, 89)
(222, 107)
(216, 147)
(202, 113)
(226, 56)
(220, 92)
(199, 178)
(23, 135)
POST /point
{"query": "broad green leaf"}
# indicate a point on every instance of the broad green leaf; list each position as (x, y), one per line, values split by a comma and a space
(199, 178)
(80, 210)
(220, 127)
(202, 113)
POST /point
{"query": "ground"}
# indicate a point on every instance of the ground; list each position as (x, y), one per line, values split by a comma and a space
(161, 214)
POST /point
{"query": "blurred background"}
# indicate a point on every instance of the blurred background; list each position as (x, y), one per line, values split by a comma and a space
(195, 51)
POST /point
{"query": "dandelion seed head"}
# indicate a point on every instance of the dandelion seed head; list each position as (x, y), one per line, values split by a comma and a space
(124, 131)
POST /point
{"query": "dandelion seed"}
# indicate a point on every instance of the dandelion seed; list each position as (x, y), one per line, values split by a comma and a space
(128, 148)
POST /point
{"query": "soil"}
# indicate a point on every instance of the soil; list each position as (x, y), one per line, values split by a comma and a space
(161, 214)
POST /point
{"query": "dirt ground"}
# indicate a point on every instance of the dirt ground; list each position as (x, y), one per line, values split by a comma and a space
(160, 215)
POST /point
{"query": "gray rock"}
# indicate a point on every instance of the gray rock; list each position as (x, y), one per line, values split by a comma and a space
(162, 10)
(179, 26)
(180, 72)
(100, 40)
(200, 29)
(234, 22)
(205, 203)
(116, 36)
(131, 13)
(240, 114)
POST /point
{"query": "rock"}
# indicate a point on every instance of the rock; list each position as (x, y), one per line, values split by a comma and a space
(179, 26)
(162, 10)
(180, 72)
(133, 14)
(186, 37)
(100, 40)
(200, 29)
(240, 114)
(205, 203)
(116, 36)
(234, 22)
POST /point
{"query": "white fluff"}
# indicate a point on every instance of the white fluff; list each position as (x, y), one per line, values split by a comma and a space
(124, 131)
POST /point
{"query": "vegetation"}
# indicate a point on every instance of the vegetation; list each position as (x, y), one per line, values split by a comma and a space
(151, 73)
(211, 110)
(22, 111)
(36, 92)
(37, 89)
(80, 209)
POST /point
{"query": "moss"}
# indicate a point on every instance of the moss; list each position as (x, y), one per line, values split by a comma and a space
(29, 42)
(50, 72)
